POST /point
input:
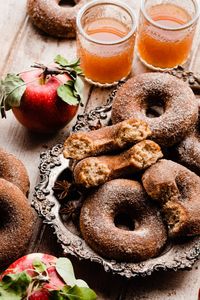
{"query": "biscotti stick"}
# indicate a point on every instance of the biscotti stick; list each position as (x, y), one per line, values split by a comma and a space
(93, 171)
(83, 144)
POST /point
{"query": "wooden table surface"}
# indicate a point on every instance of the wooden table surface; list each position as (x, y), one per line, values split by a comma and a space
(21, 45)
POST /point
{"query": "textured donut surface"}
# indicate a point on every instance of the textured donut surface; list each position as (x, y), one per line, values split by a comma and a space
(13, 170)
(189, 150)
(177, 189)
(16, 222)
(56, 20)
(150, 89)
(97, 222)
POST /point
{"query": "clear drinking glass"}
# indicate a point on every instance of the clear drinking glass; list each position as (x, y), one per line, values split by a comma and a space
(105, 41)
(165, 32)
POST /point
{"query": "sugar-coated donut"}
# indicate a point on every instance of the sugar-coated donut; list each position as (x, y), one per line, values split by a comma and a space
(54, 19)
(189, 150)
(142, 92)
(99, 214)
(177, 189)
(13, 170)
(16, 222)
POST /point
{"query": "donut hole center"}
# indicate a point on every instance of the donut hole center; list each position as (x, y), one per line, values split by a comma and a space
(67, 3)
(124, 221)
(155, 106)
(4, 216)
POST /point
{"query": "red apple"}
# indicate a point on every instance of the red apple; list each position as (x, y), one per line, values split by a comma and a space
(40, 276)
(26, 263)
(41, 109)
(44, 99)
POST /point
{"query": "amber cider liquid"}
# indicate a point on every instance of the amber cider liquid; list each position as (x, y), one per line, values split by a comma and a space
(104, 63)
(165, 48)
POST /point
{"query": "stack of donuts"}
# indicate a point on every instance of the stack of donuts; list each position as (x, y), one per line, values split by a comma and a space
(16, 215)
(123, 169)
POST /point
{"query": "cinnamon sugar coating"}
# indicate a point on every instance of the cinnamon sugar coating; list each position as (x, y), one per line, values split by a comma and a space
(16, 222)
(98, 218)
(54, 19)
(177, 190)
(110, 138)
(93, 171)
(13, 170)
(144, 91)
(189, 150)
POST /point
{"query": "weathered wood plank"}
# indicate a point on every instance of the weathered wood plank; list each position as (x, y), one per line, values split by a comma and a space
(166, 286)
(13, 16)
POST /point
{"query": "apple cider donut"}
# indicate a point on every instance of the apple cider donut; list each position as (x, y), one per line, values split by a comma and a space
(189, 150)
(177, 189)
(83, 144)
(93, 171)
(54, 19)
(16, 222)
(158, 91)
(12, 169)
(99, 215)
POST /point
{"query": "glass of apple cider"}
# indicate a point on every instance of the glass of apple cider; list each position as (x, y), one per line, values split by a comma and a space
(105, 41)
(165, 32)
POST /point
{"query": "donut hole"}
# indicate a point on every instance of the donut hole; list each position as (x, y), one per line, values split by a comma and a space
(124, 221)
(67, 3)
(155, 106)
(4, 215)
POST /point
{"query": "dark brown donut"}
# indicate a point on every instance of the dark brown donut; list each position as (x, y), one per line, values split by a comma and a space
(177, 189)
(189, 150)
(16, 222)
(13, 170)
(54, 19)
(140, 93)
(98, 217)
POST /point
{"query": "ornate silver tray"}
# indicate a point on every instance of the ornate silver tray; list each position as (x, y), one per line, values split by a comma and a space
(53, 168)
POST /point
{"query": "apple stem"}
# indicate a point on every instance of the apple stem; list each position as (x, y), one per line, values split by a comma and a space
(47, 70)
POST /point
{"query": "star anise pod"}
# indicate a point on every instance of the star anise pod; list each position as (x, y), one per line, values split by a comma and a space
(62, 188)
(70, 210)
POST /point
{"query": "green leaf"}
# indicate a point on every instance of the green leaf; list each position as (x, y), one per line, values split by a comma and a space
(74, 63)
(79, 85)
(73, 293)
(39, 266)
(11, 295)
(78, 70)
(70, 83)
(60, 60)
(65, 92)
(14, 88)
(81, 283)
(59, 294)
(81, 293)
(65, 270)
(72, 67)
(14, 286)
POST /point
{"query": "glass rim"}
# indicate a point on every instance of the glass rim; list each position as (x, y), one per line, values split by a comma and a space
(112, 2)
(184, 26)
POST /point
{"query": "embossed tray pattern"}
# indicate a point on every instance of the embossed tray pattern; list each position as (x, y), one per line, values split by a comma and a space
(176, 255)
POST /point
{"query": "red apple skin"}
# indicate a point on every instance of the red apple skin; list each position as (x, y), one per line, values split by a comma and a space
(41, 110)
(40, 295)
(26, 263)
